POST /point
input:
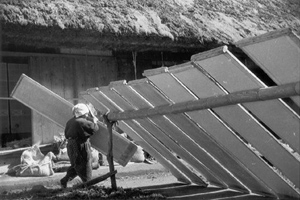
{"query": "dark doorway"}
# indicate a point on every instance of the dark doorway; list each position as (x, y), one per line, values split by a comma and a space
(15, 118)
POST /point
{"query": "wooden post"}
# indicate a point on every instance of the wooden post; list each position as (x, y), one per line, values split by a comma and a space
(110, 157)
(96, 180)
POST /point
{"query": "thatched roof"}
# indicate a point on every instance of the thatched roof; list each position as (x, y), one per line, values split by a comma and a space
(142, 24)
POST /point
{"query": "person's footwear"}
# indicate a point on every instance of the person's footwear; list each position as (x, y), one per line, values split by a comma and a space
(63, 184)
(148, 161)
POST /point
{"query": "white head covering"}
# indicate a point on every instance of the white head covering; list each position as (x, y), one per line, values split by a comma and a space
(80, 109)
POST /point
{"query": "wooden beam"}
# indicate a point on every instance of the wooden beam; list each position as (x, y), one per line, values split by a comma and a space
(63, 54)
(96, 180)
(260, 94)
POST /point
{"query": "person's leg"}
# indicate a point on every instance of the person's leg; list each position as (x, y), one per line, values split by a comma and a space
(71, 174)
(84, 171)
(72, 149)
(84, 166)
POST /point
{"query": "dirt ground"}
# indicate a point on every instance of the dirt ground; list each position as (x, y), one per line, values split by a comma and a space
(139, 177)
(134, 175)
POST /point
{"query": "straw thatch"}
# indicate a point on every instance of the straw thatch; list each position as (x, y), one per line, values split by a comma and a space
(142, 24)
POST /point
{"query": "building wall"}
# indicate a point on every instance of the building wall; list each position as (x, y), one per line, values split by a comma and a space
(147, 60)
(67, 77)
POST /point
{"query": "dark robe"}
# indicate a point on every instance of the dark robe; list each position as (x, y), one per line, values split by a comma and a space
(77, 131)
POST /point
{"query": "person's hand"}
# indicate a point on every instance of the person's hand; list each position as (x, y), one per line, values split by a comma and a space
(107, 121)
(95, 120)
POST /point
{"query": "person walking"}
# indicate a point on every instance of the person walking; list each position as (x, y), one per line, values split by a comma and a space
(78, 131)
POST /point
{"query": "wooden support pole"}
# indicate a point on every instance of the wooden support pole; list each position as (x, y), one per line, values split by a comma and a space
(96, 180)
(110, 157)
(260, 94)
